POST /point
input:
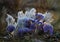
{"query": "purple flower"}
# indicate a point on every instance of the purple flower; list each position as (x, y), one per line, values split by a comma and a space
(48, 28)
(21, 31)
(10, 28)
(39, 16)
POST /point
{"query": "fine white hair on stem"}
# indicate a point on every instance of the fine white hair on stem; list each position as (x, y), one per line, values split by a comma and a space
(30, 13)
(20, 19)
(48, 17)
(20, 14)
(10, 19)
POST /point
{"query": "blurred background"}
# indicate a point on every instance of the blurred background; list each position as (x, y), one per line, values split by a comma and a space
(13, 6)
